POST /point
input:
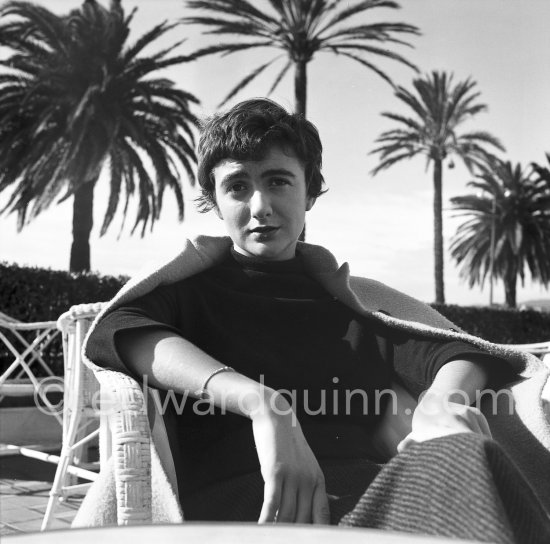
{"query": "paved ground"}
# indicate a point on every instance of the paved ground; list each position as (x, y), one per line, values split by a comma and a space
(24, 487)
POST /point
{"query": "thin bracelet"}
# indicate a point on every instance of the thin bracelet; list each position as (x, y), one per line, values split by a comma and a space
(202, 392)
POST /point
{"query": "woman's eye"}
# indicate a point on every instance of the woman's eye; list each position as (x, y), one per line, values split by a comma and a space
(236, 187)
(279, 181)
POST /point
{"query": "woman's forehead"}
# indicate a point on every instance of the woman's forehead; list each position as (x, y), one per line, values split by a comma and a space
(274, 156)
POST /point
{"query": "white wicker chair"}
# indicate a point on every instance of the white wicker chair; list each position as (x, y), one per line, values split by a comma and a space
(117, 401)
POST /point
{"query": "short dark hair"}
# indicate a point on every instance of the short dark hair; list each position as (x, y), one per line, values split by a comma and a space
(246, 132)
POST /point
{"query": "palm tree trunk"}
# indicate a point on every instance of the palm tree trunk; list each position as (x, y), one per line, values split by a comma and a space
(300, 86)
(83, 220)
(438, 233)
(510, 282)
(300, 94)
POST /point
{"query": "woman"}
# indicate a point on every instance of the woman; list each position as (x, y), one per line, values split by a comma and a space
(293, 361)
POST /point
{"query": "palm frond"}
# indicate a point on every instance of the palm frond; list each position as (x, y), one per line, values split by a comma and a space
(377, 32)
(352, 10)
(374, 51)
(246, 80)
(481, 137)
(228, 48)
(146, 39)
(115, 187)
(390, 161)
(236, 8)
(279, 77)
(364, 62)
(411, 123)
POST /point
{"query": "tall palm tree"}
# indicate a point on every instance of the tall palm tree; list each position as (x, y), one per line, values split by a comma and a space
(509, 219)
(439, 108)
(76, 101)
(300, 29)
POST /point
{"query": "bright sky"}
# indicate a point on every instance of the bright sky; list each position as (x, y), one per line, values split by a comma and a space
(381, 225)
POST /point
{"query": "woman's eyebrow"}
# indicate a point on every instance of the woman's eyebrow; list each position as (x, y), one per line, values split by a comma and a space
(235, 175)
(278, 172)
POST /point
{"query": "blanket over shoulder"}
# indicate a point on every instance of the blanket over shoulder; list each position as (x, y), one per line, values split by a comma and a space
(517, 415)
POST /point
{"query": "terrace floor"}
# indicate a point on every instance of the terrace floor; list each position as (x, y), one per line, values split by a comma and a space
(24, 490)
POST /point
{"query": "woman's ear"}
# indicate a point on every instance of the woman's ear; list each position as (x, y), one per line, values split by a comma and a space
(309, 202)
(218, 213)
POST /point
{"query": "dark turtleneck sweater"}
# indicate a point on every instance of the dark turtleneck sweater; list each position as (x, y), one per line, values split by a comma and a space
(273, 323)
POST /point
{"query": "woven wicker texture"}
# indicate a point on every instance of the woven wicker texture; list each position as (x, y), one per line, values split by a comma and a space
(131, 447)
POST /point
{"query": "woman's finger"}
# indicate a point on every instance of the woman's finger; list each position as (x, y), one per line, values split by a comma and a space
(287, 504)
(272, 499)
(304, 505)
(320, 508)
(405, 443)
(477, 421)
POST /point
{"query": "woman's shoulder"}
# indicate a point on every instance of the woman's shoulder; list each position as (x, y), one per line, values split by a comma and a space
(394, 303)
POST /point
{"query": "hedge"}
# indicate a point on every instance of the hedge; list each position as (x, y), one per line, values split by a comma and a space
(37, 294)
(500, 325)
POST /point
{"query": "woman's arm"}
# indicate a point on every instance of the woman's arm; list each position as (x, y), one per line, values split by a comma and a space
(294, 489)
(445, 406)
(458, 381)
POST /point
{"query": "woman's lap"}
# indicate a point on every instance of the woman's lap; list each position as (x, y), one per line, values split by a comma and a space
(240, 498)
(461, 486)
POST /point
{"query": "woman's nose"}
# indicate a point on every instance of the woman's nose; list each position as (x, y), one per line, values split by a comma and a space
(260, 204)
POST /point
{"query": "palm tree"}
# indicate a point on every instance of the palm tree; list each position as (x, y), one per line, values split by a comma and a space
(300, 29)
(76, 101)
(439, 109)
(507, 227)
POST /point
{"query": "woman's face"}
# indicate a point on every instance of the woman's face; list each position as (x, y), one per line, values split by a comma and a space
(263, 203)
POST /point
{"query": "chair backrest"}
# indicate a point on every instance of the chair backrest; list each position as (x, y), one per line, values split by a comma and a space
(25, 344)
(540, 349)
(26, 355)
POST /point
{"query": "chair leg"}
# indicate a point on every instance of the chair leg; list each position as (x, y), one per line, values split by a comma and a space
(61, 472)
(55, 492)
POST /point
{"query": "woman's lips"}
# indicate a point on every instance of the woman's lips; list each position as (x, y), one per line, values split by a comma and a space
(264, 231)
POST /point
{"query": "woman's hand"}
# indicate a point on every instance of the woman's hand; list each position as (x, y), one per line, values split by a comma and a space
(437, 416)
(294, 485)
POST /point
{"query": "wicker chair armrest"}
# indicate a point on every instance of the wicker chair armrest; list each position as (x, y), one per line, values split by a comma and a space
(125, 402)
(86, 311)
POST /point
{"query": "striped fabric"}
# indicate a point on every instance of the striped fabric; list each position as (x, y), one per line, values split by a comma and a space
(461, 486)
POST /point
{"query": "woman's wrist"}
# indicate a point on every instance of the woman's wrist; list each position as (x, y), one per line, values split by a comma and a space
(441, 396)
(265, 402)
(458, 381)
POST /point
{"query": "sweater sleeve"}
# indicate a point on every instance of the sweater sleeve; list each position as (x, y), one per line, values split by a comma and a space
(415, 359)
(165, 308)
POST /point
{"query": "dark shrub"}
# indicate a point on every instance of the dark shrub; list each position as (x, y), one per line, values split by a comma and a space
(37, 294)
(500, 325)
